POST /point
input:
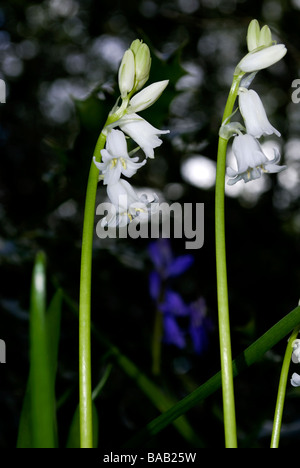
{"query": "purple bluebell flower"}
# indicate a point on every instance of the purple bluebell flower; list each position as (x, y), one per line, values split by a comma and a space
(166, 265)
(200, 326)
(173, 334)
(197, 324)
(180, 320)
(164, 261)
(172, 307)
(155, 288)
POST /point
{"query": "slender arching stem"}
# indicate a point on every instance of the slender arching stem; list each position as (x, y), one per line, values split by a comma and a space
(222, 289)
(282, 389)
(85, 385)
(85, 380)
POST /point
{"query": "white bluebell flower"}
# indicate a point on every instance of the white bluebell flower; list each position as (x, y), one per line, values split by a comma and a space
(295, 380)
(142, 132)
(254, 114)
(126, 205)
(296, 351)
(116, 160)
(251, 160)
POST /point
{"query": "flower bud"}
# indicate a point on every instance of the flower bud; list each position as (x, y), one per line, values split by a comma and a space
(147, 96)
(253, 35)
(127, 73)
(142, 59)
(257, 37)
(262, 58)
(142, 65)
(135, 45)
(265, 37)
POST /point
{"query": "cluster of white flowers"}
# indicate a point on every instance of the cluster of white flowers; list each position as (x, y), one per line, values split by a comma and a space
(115, 159)
(251, 160)
(295, 380)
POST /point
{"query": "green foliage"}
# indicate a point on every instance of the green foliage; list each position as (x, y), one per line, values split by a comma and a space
(252, 354)
(73, 440)
(37, 427)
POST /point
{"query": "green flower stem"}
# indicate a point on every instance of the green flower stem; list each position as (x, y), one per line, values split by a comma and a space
(282, 389)
(85, 386)
(223, 309)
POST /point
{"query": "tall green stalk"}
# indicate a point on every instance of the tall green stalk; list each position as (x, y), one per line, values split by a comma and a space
(222, 290)
(282, 389)
(85, 383)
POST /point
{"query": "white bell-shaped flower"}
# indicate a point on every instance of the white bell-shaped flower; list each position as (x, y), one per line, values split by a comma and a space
(251, 160)
(254, 114)
(295, 380)
(296, 351)
(126, 205)
(116, 160)
(142, 132)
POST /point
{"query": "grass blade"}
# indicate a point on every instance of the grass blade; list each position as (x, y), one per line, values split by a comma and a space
(37, 427)
(53, 316)
(42, 404)
(252, 354)
(74, 432)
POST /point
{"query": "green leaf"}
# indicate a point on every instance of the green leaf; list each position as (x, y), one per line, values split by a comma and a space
(74, 432)
(37, 427)
(53, 319)
(159, 399)
(24, 431)
(42, 405)
(251, 355)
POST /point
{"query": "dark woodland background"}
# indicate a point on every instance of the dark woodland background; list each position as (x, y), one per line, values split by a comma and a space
(59, 60)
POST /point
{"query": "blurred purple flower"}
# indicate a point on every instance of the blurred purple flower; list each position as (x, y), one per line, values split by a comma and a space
(173, 334)
(172, 307)
(155, 286)
(179, 319)
(166, 265)
(198, 327)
